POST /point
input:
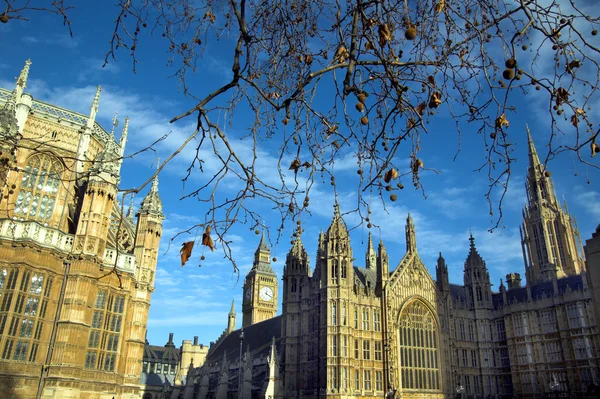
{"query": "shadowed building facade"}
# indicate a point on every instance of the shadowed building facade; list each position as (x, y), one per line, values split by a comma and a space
(76, 275)
(371, 330)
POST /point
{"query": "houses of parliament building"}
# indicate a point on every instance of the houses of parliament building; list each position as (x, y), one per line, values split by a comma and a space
(76, 273)
(375, 331)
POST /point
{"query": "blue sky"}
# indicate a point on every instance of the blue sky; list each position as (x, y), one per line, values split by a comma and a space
(195, 300)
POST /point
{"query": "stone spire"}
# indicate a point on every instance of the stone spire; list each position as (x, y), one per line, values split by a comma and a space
(124, 133)
(534, 160)
(130, 209)
(151, 203)
(22, 81)
(370, 256)
(411, 237)
(94, 109)
(441, 274)
(549, 235)
(297, 258)
(231, 319)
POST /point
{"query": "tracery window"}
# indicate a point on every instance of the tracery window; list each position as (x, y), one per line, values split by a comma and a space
(419, 365)
(27, 320)
(39, 186)
(561, 250)
(103, 343)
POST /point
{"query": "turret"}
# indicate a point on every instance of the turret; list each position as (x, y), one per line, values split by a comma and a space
(441, 275)
(370, 256)
(107, 164)
(86, 134)
(24, 101)
(383, 266)
(411, 237)
(337, 265)
(148, 233)
(231, 319)
(477, 279)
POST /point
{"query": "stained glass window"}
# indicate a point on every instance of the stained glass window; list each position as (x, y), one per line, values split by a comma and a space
(39, 186)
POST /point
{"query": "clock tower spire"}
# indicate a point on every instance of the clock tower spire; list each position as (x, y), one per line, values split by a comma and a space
(260, 287)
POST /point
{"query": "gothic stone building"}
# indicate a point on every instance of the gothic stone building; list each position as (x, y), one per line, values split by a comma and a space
(349, 331)
(76, 275)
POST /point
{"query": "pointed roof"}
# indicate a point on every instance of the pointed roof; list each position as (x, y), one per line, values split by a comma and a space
(151, 203)
(124, 133)
(232, 311)
(411, 236)
(130, 209)
(473, 259)
(22, 80)
(260, 263)
(337, 224)
(94, 109)
(371, 256)
(534, 160)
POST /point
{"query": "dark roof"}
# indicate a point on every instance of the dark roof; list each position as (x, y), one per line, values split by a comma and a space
(497, 300)
(156, 379)
(161, 354)
(546, 289)
(257, 337)
(458, 292)
(365, 276)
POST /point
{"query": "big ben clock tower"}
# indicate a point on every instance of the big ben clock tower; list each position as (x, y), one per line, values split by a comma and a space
(260, 288)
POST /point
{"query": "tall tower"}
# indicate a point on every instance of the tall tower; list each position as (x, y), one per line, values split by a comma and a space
(477, 279)
(260, 287)
(294, 337)
(441, 275)
(550, 240)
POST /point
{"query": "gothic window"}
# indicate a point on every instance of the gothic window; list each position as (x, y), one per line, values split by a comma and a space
(366, 350)
(561, 250)
(376, 320)
(27, 319)
(344, 377)
(356, 380)
(554, 351)
(38, 188)
(366, 319)
(103, 342)
(334, 345)
(575, 314)
(356, 348)
(479, 296)
(501, 330)
(344, 267)
(582, 348)
(377, 350)
(465, 360)
(333, 314)
(538, 246)
(419, 365)
(334, 269)
(461, 328)
(547, 320)
(334, 382)
(528, 382)
(471, 332)
(473, 359)
(344, 314)
(552, 242)
(8, 280)
(367, 380)
(344, 346)
(294, 284)
(356, 318)
(520, 324)
(524, 353)
(378, 381)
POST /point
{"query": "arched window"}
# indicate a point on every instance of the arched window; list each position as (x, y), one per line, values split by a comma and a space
(344, 267)
(419, 365)
(38, 189)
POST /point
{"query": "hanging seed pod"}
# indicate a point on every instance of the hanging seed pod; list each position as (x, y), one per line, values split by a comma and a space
(364, 120)
(508, 74)
(360, 107)
(511, 63)
(410, 34)
(393, 197)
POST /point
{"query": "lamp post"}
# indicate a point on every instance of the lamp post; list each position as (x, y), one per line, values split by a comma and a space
(554, 385)
(240, 389)
(460, 389)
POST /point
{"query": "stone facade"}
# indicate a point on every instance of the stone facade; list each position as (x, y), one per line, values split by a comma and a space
(76, 275)
(349, 331)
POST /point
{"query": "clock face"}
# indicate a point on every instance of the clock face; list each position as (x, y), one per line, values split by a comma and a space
(266, 294)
